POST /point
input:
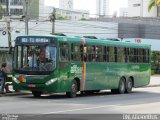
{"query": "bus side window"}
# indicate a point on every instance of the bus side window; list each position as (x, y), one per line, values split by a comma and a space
(111, 54)
(107, 53)
(115, 53)
(91, 53)
(99, 54)
(63, 55)
(131, 55)
(126, 51)
(75, 52)
(140, 55)
(120, 54)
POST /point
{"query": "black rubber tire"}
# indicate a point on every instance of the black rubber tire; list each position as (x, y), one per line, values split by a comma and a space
(129, 85)
(114, 91)
(89, 92)
(122, 86)
(73, 90)
(36, 94)
(96, 91)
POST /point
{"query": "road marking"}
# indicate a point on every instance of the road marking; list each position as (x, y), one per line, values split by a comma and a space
(78, 109)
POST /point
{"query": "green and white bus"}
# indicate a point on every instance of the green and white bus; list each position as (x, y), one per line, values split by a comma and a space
(73, 64)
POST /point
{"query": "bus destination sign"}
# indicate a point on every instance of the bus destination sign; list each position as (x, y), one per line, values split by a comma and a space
(34, 40)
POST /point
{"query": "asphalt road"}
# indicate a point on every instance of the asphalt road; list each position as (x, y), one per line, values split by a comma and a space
(142, 100)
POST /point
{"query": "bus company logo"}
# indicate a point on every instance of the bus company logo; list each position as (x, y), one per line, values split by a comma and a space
(135, 67)
(76, 69)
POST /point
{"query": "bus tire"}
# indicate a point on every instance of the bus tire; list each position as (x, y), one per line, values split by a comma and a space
(129, 85)
(122, 86)
(114, 91)
(89, 92)
(73, 90)
(36, 94)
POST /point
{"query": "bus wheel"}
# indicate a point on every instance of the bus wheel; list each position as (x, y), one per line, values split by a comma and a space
(36, 93)
(73, 91)
(89, 92)
(114, 91)
(122, 86)
(129, 85)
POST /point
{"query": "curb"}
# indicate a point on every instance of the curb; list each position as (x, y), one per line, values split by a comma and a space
(15, 94)
(157, 85)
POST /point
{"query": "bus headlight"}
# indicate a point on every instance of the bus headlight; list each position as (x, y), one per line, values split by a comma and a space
(15, 80)
(51, 81)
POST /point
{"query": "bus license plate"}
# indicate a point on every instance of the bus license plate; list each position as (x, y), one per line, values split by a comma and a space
(31, 85)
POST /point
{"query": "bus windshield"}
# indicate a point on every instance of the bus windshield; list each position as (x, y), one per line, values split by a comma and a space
(37, 58)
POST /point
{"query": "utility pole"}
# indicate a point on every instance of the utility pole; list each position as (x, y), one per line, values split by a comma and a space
(26, 17)
(53, 18)
(8, 25)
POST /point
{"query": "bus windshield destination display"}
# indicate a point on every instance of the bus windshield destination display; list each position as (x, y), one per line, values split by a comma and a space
(34, 40)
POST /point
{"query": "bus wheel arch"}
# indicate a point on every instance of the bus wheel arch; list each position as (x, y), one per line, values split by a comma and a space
(129, 84)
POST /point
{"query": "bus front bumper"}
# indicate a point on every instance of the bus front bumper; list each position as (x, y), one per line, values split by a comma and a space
(34, 87)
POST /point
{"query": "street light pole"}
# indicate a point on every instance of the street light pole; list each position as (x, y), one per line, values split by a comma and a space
(8, 25)
(26, 17)
(52, 18)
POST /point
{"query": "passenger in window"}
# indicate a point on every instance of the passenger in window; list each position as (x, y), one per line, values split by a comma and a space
(32, 59)
(30, 55)
(42, 58)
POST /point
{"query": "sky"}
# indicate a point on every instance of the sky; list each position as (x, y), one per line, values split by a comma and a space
(91, 5)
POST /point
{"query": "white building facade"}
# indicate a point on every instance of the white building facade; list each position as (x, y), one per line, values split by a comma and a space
(66, 4)
(73, 14)
(44, 11)
(139, 8)
(15, 6)
(102, 7)
(66, 10)
(123, 12)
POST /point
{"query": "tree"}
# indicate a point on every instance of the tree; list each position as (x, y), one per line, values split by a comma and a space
(1, 11)
(60, 17)
(155, 60)
(154, 3)
(83, 18)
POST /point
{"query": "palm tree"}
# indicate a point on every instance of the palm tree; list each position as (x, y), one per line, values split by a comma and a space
(154, 3)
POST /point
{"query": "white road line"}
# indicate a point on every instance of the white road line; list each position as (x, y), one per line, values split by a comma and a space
(56, 112)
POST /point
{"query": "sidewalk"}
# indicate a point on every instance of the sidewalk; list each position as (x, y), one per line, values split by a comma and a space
(154, 82)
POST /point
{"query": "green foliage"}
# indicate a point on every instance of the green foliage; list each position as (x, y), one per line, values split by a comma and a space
(83, 18)
(1, 11)
(60, 17)
(155, 58)
(153, 3)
